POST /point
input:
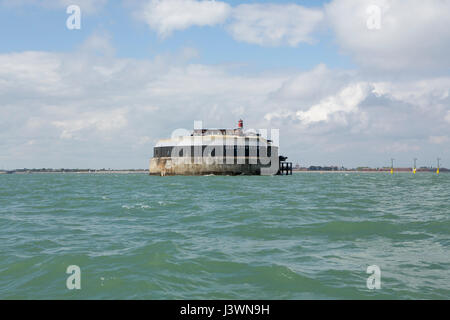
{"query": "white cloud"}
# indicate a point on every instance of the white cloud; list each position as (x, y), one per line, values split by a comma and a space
(274, 24)
(86, 6)
(30, 72)
(398, 147)
(166, 16)
(438, 139)
(144, 140)
(335, 113)
(310, 86)
(81, 109)
(414, 34)
(261, 24)
(346, 101)
(447, 117)
(333, 107)
(101, 121)
(425, 92)
(86, 110)
(98, 43)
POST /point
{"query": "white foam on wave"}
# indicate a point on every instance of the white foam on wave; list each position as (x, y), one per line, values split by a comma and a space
(137, 205)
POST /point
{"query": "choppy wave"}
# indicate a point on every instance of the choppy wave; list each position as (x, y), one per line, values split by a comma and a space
(304, 236)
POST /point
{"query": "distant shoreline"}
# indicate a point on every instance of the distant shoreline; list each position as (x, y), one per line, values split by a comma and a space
(362, 171)
(145, 171)
(50, 171)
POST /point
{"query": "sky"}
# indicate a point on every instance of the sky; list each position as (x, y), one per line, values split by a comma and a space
(346, 82)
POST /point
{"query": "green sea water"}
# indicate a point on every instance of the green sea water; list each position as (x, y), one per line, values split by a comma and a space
(306, 236)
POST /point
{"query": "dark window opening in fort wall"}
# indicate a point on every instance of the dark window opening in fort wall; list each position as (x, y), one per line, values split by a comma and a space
(213, 151)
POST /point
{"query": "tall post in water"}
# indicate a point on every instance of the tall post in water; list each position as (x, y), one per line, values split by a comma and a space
(437, 171)
(392, 165)
(415, 168)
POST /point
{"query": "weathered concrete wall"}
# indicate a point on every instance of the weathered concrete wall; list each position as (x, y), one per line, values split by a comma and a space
(166, 166)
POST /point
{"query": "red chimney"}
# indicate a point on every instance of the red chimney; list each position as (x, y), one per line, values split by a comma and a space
(240, 124)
